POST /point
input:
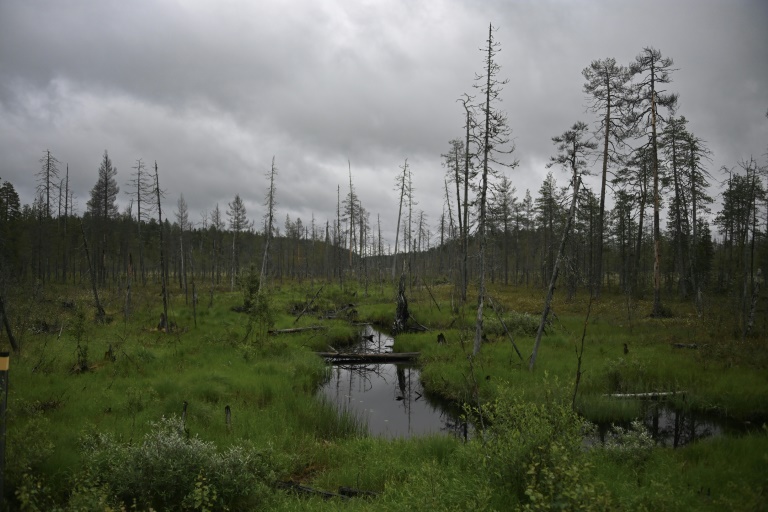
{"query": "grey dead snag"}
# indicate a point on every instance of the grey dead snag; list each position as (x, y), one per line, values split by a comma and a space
(401, 311)
(402, 182)
(163, 270)
(573, 151)
(494, 143)
(99, 310)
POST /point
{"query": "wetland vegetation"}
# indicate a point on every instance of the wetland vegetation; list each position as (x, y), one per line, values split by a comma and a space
(122, 414)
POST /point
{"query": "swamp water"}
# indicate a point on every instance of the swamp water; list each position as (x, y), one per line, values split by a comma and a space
(675, 428)
(391, 401)
(387, 397)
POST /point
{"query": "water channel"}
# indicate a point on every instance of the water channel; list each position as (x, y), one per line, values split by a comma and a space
(388, 397)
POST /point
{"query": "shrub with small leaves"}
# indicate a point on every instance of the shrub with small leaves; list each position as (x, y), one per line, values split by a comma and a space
(533, 451)
(169, 471)
(633, 445)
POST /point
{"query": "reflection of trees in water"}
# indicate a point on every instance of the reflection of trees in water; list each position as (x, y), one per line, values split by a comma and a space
(349, 381)
(454, 425)
(360, 372)
(677, 427)
(671, 427)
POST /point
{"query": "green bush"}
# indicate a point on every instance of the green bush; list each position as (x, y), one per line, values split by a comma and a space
(633, 445)
(169, 471)
(533, 451)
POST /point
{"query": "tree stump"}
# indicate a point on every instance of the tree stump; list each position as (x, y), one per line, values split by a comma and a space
(401, 311)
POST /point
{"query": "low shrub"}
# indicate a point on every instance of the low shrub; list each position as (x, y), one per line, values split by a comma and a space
(170, 471)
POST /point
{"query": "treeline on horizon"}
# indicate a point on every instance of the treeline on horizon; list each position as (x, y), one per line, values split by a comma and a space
(648, 159)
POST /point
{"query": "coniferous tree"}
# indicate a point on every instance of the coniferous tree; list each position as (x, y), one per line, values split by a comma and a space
(102, 206)
(238, 222)
(651, 71)
(502, 208)
(606, 87)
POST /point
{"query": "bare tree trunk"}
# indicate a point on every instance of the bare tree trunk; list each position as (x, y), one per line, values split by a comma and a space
(163, 273)
(555, 271)
(598, 278)
(658, 310)
(99, 310)
(399, 214)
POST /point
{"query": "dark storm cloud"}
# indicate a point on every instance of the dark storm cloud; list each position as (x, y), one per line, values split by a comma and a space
(214, 90)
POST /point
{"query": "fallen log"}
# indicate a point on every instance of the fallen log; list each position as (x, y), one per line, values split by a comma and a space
(297, 329)
(389, 357)
(692, 346)
(650, 395)
(309, 304)
(293, 486)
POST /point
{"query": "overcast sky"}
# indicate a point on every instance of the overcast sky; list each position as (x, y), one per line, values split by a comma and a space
(212, 90)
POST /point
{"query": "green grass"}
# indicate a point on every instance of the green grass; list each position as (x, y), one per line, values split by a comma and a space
(269, 382)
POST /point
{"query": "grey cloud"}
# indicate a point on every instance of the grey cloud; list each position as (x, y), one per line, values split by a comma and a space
(213, 90)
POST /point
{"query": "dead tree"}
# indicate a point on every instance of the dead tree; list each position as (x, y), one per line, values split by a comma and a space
(401, 311)
(163, 276)
(573, 150)
(99, 310)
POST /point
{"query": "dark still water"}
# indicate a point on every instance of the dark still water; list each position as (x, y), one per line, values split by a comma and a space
(675, 428)
(389, 398)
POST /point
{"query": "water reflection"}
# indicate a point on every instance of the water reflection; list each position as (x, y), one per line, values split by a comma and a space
(674, 428)
(388, 397)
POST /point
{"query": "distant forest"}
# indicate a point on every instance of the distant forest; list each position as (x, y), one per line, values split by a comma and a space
(661, 236)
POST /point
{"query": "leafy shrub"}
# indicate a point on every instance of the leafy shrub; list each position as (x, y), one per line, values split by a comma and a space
(562, 484)
(169, 471)
(533, 452)
(632, 445)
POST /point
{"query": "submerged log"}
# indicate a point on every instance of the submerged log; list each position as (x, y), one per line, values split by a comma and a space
(390, 357)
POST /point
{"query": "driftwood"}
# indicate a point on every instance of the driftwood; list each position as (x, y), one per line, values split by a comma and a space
(390, 357)
(297, 329)
(650, 395)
